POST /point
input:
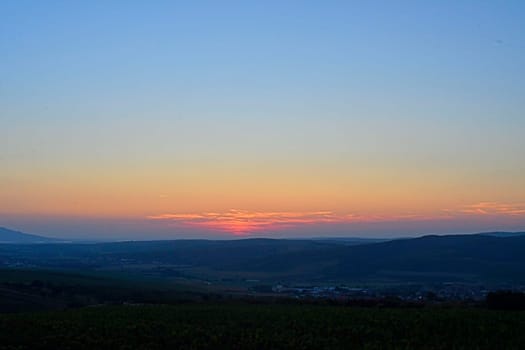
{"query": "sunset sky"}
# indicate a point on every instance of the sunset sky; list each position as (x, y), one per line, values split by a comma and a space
(227, 119)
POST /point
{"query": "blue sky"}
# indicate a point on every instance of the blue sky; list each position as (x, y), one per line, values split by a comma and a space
(369, 108)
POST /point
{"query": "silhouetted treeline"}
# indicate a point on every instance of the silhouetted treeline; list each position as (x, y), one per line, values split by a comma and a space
(506, 300)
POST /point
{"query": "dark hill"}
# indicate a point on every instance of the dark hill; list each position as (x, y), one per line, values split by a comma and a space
(478, 258)
(468, 258)
(503, 234)
(10, 236)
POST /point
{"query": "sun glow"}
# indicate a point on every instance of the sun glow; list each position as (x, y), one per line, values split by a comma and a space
(241, 222)
(245, 222)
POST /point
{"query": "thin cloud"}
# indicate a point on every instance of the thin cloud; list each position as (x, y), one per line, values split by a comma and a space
(493, 208)
(243, 221)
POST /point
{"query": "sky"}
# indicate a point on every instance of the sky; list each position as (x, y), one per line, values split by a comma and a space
(228, 119)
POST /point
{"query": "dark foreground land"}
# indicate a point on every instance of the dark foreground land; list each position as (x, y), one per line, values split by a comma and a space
(263, 326)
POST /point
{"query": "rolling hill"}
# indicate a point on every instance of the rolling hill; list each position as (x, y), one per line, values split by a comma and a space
(478, 258)
(16, 237)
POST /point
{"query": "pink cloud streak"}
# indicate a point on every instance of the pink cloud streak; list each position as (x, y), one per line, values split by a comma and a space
(242, 222)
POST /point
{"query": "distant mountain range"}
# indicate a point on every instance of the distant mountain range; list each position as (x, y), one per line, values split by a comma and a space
(350, 240)
(16, 237)
(503, 234)
(495, 257)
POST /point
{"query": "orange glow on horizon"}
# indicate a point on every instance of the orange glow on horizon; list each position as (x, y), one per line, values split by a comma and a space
(243, 222)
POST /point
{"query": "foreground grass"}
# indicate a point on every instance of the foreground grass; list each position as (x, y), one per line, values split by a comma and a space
(248, 326)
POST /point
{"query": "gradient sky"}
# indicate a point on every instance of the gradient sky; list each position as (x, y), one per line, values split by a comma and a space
(159, 119)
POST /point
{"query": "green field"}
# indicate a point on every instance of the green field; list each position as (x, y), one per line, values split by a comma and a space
(263, 326)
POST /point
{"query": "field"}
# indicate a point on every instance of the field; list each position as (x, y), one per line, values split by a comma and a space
(425, 293)
(263, 326)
